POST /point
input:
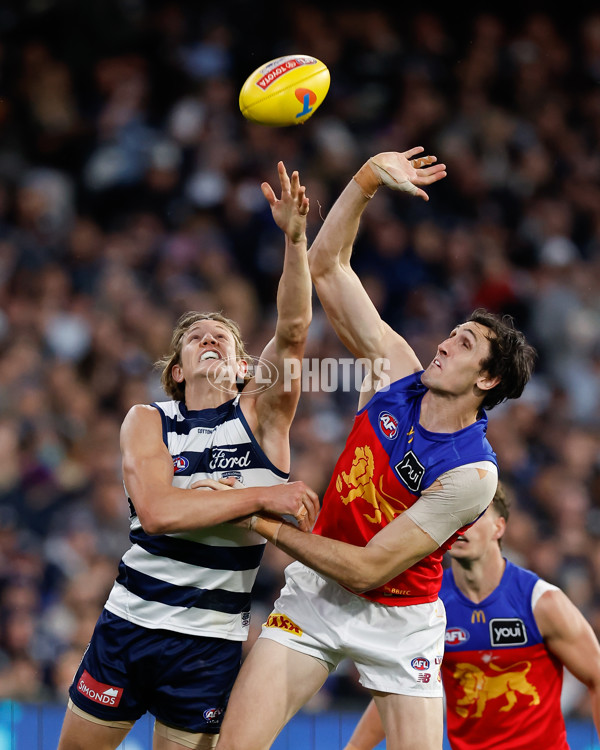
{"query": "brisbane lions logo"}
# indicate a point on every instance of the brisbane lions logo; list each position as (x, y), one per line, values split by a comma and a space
(388, 424)
(479, 688)
(359, 483)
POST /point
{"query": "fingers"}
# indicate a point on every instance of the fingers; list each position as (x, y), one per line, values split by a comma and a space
(309, 508)
(284, 180)
(301, 200)
(413, 152)
(302, 518)
(225, 483)
(313, 505)
(289, 186)
(229, 481)
(268, 192)
(207, 484)
(423, 162)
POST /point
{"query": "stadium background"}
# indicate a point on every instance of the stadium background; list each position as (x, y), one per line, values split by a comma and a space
(129, 193)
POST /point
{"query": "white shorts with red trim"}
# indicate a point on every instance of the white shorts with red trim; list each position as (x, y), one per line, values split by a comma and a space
(395, 649)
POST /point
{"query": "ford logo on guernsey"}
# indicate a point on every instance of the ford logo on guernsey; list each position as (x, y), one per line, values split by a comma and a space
(456, 636)
(420, 663)
(388, 424)
(180, 463)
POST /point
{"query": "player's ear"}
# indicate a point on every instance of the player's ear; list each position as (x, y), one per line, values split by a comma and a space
(242, 368)
(485, 382)
(500, 527)
(177, 373)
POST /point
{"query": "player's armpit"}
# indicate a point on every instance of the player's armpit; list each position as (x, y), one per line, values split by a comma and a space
(455, 499)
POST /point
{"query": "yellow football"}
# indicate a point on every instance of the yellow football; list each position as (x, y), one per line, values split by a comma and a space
(285, 91)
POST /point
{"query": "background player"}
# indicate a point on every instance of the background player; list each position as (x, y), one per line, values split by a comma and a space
(169, 638)
(416, 468)
(508, 637)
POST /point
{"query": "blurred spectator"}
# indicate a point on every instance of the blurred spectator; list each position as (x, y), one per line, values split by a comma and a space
(130, 192)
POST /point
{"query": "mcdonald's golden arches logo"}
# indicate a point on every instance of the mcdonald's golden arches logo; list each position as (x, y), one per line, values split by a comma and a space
(477, 616)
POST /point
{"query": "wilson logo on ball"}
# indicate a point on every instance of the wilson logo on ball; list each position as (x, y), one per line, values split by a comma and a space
(285, 91)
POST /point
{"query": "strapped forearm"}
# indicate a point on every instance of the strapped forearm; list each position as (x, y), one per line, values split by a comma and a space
(367, 180)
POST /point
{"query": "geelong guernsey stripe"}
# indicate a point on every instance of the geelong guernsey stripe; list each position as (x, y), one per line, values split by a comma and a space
(197, 582)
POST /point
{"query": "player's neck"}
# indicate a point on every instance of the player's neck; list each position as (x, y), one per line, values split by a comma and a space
(203, 394)
(477, 579)
(441, 413)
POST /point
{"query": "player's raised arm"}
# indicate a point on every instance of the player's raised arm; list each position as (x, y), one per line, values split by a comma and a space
(348, 306)
(569, 636)
(275, 406)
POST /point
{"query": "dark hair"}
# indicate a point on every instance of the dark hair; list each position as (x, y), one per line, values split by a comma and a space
(511, 357)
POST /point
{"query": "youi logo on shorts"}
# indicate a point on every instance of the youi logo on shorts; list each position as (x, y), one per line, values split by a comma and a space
(105, 695)
(388, 424)
(507, 631)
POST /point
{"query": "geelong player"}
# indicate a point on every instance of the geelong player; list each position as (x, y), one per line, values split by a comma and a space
(416, 469)
(169, 638)
(508, 638)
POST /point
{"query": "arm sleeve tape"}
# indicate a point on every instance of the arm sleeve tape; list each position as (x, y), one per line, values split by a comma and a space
(465, 493)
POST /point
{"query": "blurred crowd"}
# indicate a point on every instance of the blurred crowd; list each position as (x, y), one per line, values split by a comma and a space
(130, 193)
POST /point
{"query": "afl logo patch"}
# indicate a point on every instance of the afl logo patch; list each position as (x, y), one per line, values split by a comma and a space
(212, 715)
(388, 424)
(456, 636)
(180, 463)
(420, 663)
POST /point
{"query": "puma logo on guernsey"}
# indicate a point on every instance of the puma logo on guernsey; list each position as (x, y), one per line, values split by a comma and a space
(283, 623)
(221, 458)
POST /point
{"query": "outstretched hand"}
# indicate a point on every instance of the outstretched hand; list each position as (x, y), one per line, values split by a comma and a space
(400, 171)
(291, 502)
(291, 209)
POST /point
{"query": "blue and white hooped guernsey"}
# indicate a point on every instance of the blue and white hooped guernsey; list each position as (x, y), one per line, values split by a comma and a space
(197, 582)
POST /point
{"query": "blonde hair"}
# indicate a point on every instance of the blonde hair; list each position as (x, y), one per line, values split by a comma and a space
(177, 390)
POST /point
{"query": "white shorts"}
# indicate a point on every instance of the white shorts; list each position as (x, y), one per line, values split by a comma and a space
(395, 649)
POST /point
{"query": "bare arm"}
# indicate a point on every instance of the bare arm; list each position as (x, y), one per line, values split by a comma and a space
(163, 508)
(270, 413)
(569, 636)
(390, 552)
(368, 733)
(345, 301)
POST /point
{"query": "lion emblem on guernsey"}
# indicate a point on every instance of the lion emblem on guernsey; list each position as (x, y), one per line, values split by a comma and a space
(479, 687)
(359, 484)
